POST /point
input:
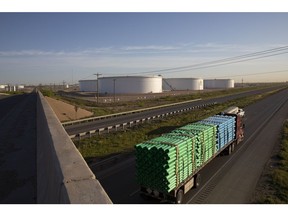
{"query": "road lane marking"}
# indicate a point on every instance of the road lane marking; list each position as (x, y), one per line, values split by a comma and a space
(133, 193)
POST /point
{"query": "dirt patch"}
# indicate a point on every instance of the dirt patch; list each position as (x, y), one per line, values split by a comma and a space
(67, 112)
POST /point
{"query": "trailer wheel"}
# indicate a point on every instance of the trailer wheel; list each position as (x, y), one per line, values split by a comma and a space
(233, 146)
(179, 196)
(197, 180)
(230, 149)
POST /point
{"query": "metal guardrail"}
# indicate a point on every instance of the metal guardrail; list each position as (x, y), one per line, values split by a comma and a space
(124, 113)
(135, 122)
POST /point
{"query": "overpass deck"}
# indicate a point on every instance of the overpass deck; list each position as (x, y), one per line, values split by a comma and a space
(18, 149)
(39, 163)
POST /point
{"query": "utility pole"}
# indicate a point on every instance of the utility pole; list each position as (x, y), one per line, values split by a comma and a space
(98, 74)
(114, 90)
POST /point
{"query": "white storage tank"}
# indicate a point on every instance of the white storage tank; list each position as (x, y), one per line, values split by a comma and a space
(88, 85)
(3, 87)
(19, 87)
(130, 84)
(182, 84)
(218, 83)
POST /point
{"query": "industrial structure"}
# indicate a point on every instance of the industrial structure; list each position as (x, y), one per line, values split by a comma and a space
(3, 87)
(124, 85)
(11, 88)
(88, 85)
(130, 84)
(182, 84)
(150, 84)
(218, 83)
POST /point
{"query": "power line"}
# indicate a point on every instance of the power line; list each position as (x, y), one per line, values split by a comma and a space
(225, 61)
(87, 77)
(92, 75)
(216, 63)
(252, 74)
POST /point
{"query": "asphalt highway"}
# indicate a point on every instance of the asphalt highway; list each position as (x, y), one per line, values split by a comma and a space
(226, 179)
(18, 149)
(9, 102)
(237, 175)
(103, 123)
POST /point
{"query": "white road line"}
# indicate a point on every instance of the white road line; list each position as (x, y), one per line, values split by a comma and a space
(133, 193)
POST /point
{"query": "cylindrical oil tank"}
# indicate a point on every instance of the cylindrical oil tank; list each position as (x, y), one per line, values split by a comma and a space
(88, 85)
(3, 86)
(182, 84)
(218, 83)
(130, 84)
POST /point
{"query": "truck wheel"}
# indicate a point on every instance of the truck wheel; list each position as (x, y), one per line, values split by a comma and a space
(233, 146)
(230, 149)
(197, 180)
(179, 196)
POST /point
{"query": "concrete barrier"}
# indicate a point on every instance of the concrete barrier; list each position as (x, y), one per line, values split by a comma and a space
(62, 174)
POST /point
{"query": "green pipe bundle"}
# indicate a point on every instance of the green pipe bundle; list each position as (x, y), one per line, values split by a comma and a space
(164, 162)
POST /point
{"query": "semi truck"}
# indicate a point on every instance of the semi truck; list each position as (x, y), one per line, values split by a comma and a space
(167, 167)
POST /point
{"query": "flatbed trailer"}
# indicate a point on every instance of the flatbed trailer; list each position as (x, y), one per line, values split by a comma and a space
(193, 181)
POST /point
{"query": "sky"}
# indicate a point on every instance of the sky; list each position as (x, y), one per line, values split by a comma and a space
(52, 47)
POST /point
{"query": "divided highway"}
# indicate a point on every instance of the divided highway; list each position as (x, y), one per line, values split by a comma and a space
(102, 124)
(227, 179)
